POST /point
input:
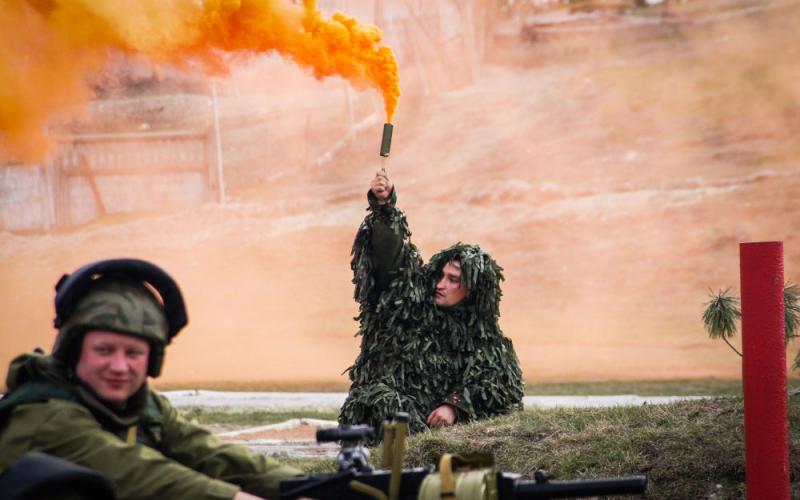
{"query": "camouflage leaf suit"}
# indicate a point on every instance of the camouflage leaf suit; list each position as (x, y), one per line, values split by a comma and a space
(414, 355)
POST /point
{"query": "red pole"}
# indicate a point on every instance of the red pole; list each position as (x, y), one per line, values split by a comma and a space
(766, 424)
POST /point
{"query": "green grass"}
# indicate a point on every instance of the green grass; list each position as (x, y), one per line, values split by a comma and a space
(687, 387)
(690, 449)
(251, 418)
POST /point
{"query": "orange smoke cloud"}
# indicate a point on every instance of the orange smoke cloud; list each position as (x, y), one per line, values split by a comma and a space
(49, 47)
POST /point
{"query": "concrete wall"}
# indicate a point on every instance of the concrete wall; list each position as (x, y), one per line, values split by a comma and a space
(24, 198)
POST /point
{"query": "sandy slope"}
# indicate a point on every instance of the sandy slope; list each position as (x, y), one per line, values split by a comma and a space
(613, 182)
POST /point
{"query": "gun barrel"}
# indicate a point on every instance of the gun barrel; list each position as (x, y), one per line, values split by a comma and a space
(529, 490)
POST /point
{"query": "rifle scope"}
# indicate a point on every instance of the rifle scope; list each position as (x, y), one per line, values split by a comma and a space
(353, 433)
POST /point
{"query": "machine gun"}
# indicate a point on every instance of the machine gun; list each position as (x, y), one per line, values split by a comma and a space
(467, 477)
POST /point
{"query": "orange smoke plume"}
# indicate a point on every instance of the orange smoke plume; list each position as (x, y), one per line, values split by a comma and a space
(49, 47)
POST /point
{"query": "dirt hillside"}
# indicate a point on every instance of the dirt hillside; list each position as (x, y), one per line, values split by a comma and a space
(612, 177)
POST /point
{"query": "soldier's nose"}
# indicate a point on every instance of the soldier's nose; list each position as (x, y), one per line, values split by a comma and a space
(118, 363)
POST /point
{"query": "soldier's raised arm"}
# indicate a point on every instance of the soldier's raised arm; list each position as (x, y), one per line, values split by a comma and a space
(386, 241)
(378, 249)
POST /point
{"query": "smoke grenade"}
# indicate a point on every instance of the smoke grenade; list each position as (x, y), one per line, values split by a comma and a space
(386, 141)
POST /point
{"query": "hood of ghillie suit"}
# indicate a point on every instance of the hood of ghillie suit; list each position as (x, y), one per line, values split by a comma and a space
(479, 273)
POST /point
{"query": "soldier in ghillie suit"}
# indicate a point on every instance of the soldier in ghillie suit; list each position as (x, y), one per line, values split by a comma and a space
(431, 345)
(88, 403)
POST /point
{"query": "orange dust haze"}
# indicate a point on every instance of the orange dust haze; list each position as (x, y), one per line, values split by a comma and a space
(49, 47)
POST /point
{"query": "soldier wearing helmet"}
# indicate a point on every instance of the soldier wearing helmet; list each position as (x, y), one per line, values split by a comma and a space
(89, 402)
(431, 345)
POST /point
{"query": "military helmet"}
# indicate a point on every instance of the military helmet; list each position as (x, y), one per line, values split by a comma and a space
(128, 296)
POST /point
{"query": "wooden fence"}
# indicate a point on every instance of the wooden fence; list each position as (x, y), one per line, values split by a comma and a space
(92, 175)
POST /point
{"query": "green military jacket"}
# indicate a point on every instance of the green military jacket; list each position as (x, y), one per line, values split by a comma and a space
(414, 355)
(171, 458)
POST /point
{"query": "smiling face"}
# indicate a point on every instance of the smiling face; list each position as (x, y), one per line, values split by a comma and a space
(449, 290)
(113, 365)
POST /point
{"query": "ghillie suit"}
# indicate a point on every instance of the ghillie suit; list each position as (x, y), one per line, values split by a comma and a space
(414, 355)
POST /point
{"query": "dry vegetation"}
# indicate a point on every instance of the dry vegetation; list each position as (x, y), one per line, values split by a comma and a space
(692, 449)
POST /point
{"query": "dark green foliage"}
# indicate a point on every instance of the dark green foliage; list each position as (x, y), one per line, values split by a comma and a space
(791, 308)
(414, 355)
(721, 314)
